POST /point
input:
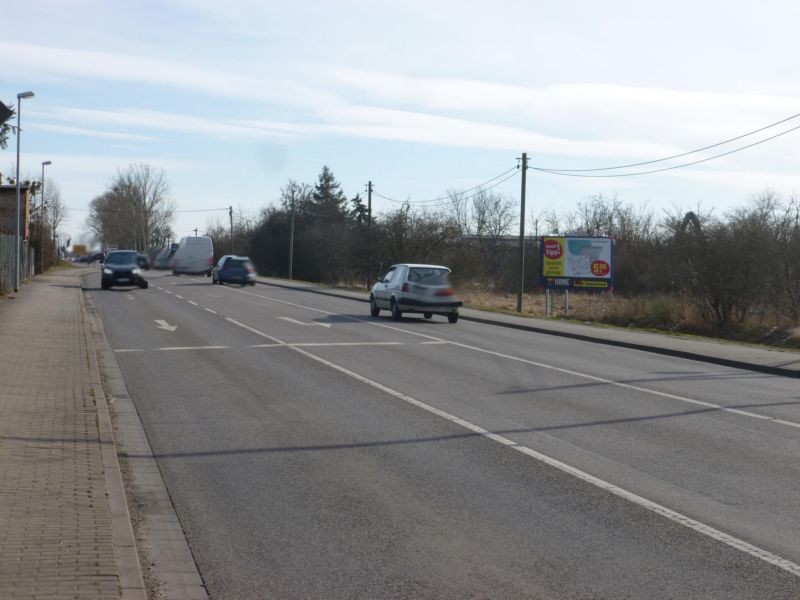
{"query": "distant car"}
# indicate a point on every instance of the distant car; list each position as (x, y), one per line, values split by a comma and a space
(415, 288)
(143, 261)
(194, 256)
(121, 268)
(97, 256)
(234, 269)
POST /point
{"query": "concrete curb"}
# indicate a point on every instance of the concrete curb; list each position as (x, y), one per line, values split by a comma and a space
(172, 571)
(685, 354)
(130, 570)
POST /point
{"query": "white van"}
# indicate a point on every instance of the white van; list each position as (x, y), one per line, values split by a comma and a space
(195, 255)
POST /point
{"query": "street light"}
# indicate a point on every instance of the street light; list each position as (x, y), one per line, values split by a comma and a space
(20, 97)
(41, 221)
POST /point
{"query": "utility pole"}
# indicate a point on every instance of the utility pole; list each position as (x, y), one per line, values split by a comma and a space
(291, 237)
(230, 216)
(369, 233)
(195, 232)
(522, 233)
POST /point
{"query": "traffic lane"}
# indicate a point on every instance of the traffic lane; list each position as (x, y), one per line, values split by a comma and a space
(709, 465)
(143, 320)
(503, 422)
(775, 396)
(313, 485)
(291, 324)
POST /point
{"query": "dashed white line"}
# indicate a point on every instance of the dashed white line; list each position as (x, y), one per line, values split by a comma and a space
(168, 291)
(654, 507)
(213, 312)
(177, 296)
(192, 302)
(595, 378)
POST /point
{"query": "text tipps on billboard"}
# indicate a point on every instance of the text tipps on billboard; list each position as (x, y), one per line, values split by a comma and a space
(574, 262)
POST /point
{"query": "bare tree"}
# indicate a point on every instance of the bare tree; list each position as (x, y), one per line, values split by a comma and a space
(135, 211)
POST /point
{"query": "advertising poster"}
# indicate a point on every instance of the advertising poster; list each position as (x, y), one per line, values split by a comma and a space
(577, 262)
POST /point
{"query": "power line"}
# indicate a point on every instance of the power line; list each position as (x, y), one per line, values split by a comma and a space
(440, 198)
(696, 162)
(469, 197)
(138, 210)
(650, 162)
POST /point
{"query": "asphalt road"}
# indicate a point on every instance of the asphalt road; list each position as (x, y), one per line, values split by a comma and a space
(312, 451)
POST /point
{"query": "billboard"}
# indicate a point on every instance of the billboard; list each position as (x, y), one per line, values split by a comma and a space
(576, 262)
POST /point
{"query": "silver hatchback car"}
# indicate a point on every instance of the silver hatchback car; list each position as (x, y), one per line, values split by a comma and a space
(415, 288)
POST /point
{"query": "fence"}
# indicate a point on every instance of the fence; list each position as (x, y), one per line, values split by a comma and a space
(27, 261)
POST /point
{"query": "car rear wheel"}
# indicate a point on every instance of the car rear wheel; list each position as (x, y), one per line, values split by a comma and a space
(373, 308)
(452, 317)
(144, 285)
(397, 314)
(427, 315)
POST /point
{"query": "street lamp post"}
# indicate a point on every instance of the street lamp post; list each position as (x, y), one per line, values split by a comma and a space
(20, 97)
(41, 221)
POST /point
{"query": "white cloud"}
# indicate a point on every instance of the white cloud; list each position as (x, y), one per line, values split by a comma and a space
(132, 137)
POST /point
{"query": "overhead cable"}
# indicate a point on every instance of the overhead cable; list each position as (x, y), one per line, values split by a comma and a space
(666, 158)
(440, 198)
(695, 162)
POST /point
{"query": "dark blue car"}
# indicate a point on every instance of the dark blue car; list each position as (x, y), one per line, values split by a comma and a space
(234, 269)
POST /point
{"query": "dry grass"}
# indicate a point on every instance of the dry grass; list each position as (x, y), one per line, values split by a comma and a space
(665, 313)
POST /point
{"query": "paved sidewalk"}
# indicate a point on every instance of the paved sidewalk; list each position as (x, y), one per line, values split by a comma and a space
(64, 526)
(774, 361)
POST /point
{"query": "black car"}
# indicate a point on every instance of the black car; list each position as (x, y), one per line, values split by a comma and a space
(143, 261)
(121, 268)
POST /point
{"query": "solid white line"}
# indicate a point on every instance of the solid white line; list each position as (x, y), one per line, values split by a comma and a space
(170, 348)
(602, 380)
(213, 312)
(192, 302)
(303, 344)
(659, 509)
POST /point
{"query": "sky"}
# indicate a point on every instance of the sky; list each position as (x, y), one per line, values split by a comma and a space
(232, 99)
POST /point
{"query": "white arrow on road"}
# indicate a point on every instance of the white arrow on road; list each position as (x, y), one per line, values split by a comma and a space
(164, 325)
(296, 322)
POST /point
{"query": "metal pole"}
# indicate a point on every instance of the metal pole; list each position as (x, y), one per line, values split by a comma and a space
(19, 217)
(522, 233)
(230, 214)
(369, 233)
(291, 239)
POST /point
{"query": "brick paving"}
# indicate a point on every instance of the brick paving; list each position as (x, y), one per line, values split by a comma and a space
(56, 536)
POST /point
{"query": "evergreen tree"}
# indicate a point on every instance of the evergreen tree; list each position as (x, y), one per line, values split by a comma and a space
(328, 198)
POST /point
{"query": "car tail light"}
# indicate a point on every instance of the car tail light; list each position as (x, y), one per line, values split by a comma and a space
(211, 262)
(404, 288)
(250, 268)
(444, 292)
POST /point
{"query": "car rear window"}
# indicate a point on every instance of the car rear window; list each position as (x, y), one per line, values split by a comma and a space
(237, 263)
(429, 276)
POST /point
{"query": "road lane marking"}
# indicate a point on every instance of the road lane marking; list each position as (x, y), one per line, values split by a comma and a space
(271, 345)
(130, 297)
(168, 291)
(296, 322)
(177, 296)
(161, 324)
(170, 349)
(192, 302)
(541, 365)
(213, 312)
(650, 505)
(314, 344)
